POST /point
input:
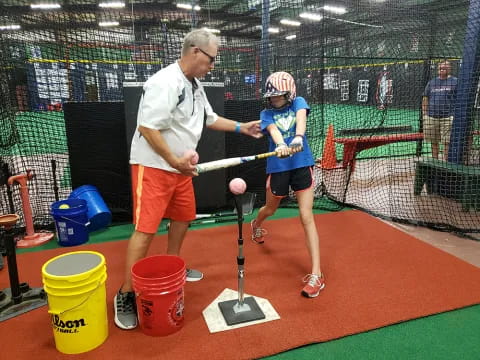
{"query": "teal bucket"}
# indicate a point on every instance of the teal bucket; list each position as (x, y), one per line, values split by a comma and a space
(98, 213)
(71, 221)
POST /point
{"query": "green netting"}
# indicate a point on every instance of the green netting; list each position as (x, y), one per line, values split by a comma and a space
(362, 68)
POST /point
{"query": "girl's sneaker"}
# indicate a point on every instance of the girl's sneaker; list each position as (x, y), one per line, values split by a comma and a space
(315, 283)
(257, 232)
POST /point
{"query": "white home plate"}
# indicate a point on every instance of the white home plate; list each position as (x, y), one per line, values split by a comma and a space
(216, 322)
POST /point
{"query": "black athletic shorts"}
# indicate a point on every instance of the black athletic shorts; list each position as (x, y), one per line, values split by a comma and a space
(298, 179)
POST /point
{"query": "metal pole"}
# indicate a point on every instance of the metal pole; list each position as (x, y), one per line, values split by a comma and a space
(264, 59)
(240, 257)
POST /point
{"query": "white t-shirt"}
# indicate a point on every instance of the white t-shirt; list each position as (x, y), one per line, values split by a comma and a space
(171, 105)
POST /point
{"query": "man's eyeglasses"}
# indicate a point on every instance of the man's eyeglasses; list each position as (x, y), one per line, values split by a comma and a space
(212, 58)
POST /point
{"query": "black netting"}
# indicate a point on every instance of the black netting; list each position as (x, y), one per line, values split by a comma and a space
(362, 65)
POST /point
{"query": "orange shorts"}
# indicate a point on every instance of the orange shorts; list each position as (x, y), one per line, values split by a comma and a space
(159, 194)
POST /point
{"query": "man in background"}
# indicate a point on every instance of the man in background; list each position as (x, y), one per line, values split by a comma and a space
(437, 109)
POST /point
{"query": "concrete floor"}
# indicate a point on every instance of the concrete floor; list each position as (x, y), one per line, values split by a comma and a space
(463, 248)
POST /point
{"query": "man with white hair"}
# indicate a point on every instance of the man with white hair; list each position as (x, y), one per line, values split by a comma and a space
(171, 114)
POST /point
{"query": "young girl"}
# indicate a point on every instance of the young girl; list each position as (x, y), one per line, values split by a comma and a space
(284, 121)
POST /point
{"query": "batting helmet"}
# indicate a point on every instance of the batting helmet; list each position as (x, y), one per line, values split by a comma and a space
(280, 83)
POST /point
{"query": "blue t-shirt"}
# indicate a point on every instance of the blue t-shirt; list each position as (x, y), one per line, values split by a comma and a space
(286, 122)
(441, 96)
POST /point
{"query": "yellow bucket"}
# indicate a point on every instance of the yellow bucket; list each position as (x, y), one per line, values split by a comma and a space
(75, 285)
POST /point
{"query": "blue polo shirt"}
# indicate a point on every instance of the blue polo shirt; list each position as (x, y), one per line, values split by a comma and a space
(441, 96)
(286, 122)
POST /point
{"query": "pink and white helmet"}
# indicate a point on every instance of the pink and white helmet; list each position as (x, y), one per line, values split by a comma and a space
(280, 83)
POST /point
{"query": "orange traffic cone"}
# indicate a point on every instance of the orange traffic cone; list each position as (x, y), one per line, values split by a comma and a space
(329, 156)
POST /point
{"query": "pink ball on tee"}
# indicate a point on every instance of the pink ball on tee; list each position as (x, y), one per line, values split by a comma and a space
(237, 186)
(193, 155)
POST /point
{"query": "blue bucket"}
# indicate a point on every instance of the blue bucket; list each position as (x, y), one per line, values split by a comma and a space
(98, 213)
(71, 222)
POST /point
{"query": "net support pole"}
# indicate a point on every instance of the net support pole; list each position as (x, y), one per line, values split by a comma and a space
(467, 81)
(264, 59)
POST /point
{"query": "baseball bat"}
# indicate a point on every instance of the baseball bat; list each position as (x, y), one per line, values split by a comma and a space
(215, 215)
(226, 163)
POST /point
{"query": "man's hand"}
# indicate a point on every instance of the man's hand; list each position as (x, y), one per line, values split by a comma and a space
(296, 145)
(185, 165)
(252, 129)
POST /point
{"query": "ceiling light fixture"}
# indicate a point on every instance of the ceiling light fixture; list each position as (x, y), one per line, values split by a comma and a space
(311, 16)
(45, 6)
(188, 7)
(9, 27)
(290, 22)
(273, 30)
(108, 23)
(112, 5)
(291, 37)
(213, 31)
(335, 9)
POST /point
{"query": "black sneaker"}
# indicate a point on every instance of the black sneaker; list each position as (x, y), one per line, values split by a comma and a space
(194, 275)
(125, 310)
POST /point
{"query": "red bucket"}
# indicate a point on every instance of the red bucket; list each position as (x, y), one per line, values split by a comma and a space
(158, 284)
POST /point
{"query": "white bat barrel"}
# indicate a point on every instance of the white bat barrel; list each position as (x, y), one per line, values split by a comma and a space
(218, 164)
(224, 163)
